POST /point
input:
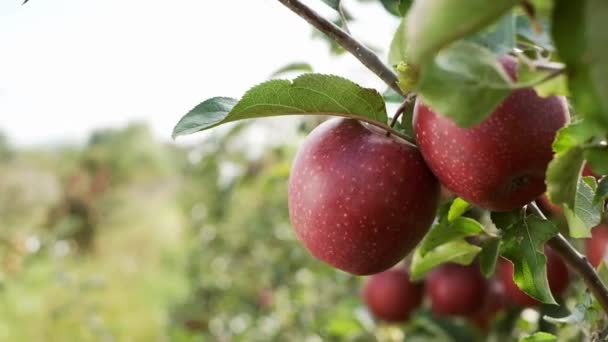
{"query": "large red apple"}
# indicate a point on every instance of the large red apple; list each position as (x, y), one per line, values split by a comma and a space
(456, 290)
(557, 275)
(359, 200)
(499, 164)
(390, 296)
(597, 246)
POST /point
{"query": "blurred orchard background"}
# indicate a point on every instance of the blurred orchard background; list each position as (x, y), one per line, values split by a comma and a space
(111, 231)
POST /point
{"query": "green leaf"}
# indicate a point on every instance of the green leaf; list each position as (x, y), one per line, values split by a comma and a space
(538, 79)
(563, 171)
(474, 71)
(445, 231)
(562, 176)
(397, 7)
(522, 244)
(597, 157)
(524, 29)
(335, 4)
(539, 337)
(498, 38)
(488, 256)
(307, 94)
(458, 251)
(293, 67)
(433, 24)
(458, 207)
(579, 34)
(585, 214)
(205, 114)
(398, 50)
(504, 220)
(601, 194)
(392, 96)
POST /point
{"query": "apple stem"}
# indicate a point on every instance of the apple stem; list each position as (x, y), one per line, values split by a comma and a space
(578, 263)
(345, 40)
(400, 110)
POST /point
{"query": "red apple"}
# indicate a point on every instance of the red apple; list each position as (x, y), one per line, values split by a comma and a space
(557, 275)
(597, 245)
(359, 200)
(549, 207)
(456, 290)
(588, 172)
(494, 302)
(499, 164)
(390, 296)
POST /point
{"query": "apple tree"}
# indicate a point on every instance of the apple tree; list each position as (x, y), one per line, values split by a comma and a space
(500, 104)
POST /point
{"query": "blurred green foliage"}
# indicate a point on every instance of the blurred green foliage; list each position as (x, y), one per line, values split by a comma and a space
(184, 244)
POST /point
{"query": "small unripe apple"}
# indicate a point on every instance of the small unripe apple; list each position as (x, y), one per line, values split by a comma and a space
(499, 164)
(359, 200)
(557, 275)
(597, 246)
(456, 290)
(391, 296)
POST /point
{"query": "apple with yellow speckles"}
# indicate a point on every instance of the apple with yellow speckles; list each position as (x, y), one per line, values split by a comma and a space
(358, 199)
(499, 164)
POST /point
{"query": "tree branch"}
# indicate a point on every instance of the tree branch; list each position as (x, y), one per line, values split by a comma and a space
(350, 44)
(578, 263)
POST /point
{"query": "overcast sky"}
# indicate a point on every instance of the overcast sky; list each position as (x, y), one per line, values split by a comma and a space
(70, 66)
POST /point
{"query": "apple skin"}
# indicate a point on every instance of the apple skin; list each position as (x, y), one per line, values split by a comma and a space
(499, 164)
(588, 172)
(557, 275)
(549, 207)
(359, 200)
(597, 245)
(391, 296)
(456, 290)
(494, 302)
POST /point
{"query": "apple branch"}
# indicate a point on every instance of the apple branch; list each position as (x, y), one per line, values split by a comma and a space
(578, 263)
(350, 44)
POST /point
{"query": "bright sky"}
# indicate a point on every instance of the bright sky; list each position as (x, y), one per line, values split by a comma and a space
(70, 66)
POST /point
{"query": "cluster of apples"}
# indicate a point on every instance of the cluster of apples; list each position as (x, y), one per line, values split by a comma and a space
(361, 200)
(455, 291)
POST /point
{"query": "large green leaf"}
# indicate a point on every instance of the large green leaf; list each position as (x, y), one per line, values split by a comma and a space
(524, 29)
(307, 94)
(457, 251)
(498, 38)
(398, 49)
(464, 82)
(580, 36)
(585, 213)
(563, 171)
(522, 244)
(433, 24)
